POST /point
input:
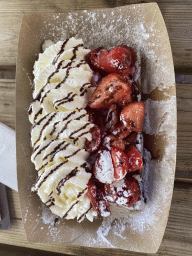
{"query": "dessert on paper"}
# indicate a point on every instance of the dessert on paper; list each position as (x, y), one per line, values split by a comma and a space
(86, 124)
(136, 26)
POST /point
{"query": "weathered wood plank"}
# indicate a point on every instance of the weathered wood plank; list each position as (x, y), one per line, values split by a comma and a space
(7, 102)
(177, 239)
(177, 15)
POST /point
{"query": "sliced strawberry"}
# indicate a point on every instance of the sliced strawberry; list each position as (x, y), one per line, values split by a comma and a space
(127, 99)
(97, 58)
(92, 194)
(93, 145)
(96, 194)
(104, 208)
(132, 116)
(131, 138)
(109, 91)
(103, 168)
(111, 141)
(124, 192)
(112, 117)
(121, 131)
(121, 60)
(120, 163)
(96, 78)
(135, 161)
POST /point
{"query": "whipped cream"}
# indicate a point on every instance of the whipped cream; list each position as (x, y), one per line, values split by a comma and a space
(60, 126)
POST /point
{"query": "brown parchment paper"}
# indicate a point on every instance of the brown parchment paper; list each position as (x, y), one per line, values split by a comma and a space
(142, 27)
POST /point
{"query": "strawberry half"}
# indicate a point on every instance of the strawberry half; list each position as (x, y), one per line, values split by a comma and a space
(120, 163)
(135, 161)
(92, 194)
(132, 116)
(110, 141)
(110, 90)
(120, 60)
(96, 194)
(103, 168)
(97, 58)
(93, 145)
(125, 192)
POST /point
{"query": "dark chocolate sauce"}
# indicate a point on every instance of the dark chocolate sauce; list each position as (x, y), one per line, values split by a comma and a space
(42, 149)
(84, 126)
(52, 171)
(68, 176)
(38, 113)
(60, 52)
(82, 192)
(54, 150)
(47, 123)
(84, 214)
(65, 215)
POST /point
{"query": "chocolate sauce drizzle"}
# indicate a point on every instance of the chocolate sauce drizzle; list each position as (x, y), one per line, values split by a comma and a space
(45, 178)
(68, 176)
(70, 97)
(78, 219)
(83, 127)
(40, 134)
(55, 150)
(65, 215)
(38, 113)
(82, 192)
(60, 52)
(42, 149)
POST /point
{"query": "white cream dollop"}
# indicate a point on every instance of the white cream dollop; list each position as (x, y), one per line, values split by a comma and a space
(60, 126)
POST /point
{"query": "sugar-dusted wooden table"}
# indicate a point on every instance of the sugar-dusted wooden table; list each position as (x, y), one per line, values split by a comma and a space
(178, 18)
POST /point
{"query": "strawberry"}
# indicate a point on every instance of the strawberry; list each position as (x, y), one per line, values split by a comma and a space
(92, 194)
(96, 194)
(93, 145)
(120, 163)
(112, 117)
(121, 131)
(125, 192)
(111, 141)
(132, 116)
(131, 138)
(120, 60)
(103, 168)
(96, 78)
(135, 161)
(109, 91)
(97, 58)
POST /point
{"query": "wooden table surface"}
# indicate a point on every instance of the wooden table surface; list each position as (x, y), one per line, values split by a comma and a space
(178, 18)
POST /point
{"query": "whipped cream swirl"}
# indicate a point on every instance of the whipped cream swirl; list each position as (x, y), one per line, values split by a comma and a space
(60, 126)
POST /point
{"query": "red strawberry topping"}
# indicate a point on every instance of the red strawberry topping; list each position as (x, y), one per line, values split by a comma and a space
(125, 192)
(135, 159)
(93, 145)
(120, 163)
(111, 141)
(103, 168)
(132, 116)
(110, 90)
(118, 118)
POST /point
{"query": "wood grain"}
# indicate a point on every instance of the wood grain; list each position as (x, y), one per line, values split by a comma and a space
(177, 239)
(177, 15)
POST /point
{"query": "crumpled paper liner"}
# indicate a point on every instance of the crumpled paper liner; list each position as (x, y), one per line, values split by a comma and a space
(8, 170)
(142, 27)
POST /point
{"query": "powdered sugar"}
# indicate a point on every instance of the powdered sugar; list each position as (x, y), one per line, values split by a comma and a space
(104, 170)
